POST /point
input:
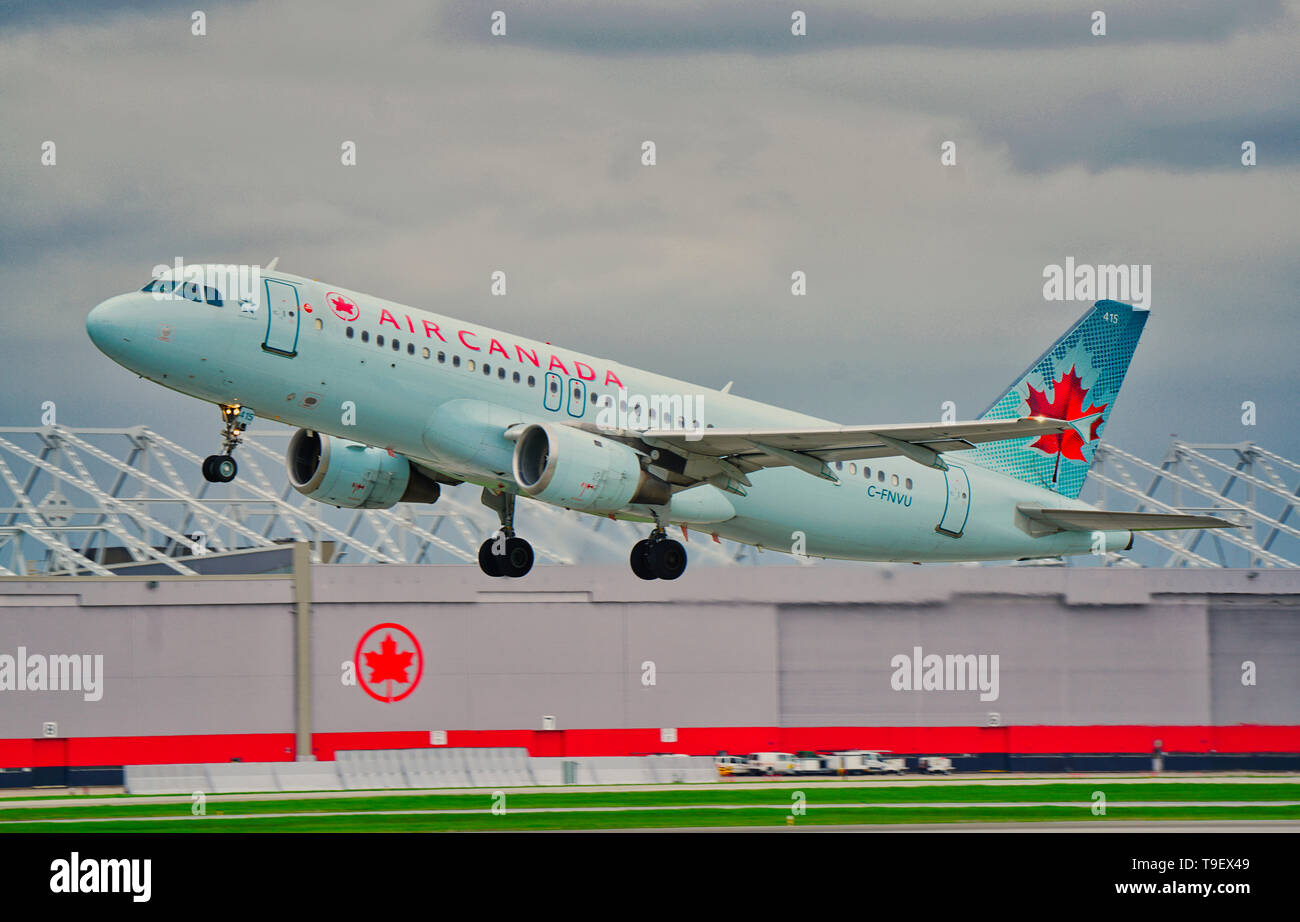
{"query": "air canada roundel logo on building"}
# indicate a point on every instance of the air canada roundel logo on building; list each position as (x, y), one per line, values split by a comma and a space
(389, 662)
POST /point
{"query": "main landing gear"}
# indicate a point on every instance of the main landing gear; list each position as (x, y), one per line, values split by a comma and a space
(504, 554)
(222, 468)
(658, 557)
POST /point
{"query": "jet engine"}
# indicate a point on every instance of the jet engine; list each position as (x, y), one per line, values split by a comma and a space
(578, 470)
(352, 475)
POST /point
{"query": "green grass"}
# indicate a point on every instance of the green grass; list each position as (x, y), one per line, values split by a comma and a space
(659, 819)
(765, 807)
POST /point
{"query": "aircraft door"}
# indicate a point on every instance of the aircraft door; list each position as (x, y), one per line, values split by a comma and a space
(553, 393)
(577, 397)
(282, 313)
(957, 508)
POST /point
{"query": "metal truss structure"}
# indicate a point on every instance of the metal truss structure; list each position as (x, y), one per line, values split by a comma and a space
(81, 500)
(1243, 483)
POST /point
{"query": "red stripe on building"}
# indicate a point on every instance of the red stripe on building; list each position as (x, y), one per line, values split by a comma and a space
(1030, 740)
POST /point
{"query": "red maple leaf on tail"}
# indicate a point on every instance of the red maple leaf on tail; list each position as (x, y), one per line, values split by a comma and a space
(388, 663)
(1068, 394)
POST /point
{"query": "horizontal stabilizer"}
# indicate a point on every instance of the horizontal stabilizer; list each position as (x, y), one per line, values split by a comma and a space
(1053, 520)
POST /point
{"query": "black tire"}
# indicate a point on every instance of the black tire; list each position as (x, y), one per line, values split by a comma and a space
(208, 473)
(640, 560)
(490, 563)
(667, 558)
(518, 559)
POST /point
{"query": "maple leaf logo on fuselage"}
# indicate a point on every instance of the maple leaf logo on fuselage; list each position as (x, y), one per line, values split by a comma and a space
(388, 663)
(1068, 394)
(344, 307)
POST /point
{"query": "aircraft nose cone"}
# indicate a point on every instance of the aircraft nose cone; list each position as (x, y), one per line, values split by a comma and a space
(105, 324)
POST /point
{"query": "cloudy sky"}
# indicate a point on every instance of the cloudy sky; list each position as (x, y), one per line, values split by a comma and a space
(775, 153)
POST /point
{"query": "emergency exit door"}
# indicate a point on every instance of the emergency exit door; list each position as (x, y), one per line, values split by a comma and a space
(282, 315)
(957, 508)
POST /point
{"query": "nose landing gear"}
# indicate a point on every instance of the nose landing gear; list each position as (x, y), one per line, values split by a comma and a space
(504, 554)
(222, 468)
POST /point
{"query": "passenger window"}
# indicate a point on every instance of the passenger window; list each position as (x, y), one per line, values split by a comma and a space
(365, 336)
(487, 369)
(532, 382)
(318, 323)
(880, 475)
(908, 483)
(425, 352)
(555, 386)
(397, 347)
(379, 340)
(501, 373)
(442, 357)
(455, 361)
(853, 469)
(469, 363)
(894, 480)
(351, 333)
(866, 472)
(516, 377)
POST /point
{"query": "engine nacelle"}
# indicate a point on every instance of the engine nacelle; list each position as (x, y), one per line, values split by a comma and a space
(353, 475)
(568, 467)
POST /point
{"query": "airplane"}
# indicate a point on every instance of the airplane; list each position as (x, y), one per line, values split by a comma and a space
(394, 402)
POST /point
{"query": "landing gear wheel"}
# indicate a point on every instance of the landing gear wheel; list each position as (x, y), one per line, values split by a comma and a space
(219, 468)
(640, 560)
(222, 468)
(518, 559)
(488, 562)
(667, 558)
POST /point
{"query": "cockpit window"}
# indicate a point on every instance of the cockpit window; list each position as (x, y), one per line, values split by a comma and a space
(190, 290)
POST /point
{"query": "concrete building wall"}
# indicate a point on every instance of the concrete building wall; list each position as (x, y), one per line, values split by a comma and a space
(728, 648)
(1056, 664)
(1258, 632)
(210, 656)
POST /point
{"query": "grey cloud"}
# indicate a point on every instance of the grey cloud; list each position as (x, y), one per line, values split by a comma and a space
(924, 282)
(764, 27)
(1106, 133)
(39, 14)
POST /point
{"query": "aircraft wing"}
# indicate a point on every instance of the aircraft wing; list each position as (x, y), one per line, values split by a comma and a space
(1103, 520)
(724, 456)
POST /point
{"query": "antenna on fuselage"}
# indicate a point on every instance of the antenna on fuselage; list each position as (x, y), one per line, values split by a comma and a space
(270, 267)
(727, 389)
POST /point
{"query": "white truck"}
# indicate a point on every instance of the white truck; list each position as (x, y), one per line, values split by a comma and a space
(935, 765)
(809, 763)
(731, 765)
(771, 763)
(863, 762)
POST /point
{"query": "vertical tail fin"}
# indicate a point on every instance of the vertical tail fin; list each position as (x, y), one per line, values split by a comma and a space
(1077, 379)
